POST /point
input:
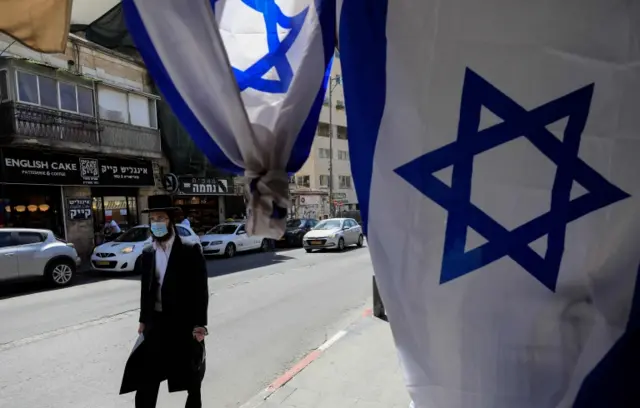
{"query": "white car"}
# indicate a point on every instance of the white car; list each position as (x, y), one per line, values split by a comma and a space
(334, 233)
(26, 252)
(121, 254)
(229, 238)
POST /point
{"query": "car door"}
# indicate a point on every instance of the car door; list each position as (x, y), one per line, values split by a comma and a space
(8, 256)
(357, 231)
(242, 240)
(29, 253)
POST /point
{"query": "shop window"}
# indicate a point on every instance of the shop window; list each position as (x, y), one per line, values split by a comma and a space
(29, 207)
(202, 212)
(121, 209)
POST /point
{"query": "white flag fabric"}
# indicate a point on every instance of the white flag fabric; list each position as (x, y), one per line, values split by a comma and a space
(494, 146)
(247, 80)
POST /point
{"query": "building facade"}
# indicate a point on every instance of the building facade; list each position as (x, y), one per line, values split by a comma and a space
(79, 140)
(329, 157)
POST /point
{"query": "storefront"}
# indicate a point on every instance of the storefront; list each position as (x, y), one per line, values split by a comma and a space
(71, 195)
(206, 200)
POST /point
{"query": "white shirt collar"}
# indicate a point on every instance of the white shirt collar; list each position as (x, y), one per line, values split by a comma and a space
(167, 245)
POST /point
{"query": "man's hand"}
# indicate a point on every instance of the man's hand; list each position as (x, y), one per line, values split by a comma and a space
(199, 333)
(141, 328)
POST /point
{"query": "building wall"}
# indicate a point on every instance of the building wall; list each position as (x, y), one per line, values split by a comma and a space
(334, 115)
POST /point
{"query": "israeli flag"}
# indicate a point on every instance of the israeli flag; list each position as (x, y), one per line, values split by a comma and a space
(495, 151)
(247, 80)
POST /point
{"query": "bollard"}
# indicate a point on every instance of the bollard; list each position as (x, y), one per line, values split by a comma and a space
(378, 306)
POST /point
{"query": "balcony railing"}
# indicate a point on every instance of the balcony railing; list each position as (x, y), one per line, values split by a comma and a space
(27, 121)
(21, 122)
(124, 136)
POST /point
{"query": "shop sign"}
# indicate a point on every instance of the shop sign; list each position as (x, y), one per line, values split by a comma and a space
(79, 208)
(339, 196)
(202, 186)
(36, 167)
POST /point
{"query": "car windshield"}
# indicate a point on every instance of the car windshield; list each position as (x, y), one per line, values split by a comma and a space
(294, 223)
(223, 229)
(328, 225)
(138, 234)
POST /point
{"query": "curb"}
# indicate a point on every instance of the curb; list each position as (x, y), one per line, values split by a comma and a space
(262, 396)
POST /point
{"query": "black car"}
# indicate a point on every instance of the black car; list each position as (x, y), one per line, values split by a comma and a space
(296, 228)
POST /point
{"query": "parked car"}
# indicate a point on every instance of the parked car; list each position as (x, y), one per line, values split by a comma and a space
(295, 230)
(121, 254)
(26, 252)
(230, 238)
(334, 233)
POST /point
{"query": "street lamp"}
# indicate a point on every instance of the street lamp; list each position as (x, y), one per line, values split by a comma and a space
(333, 82)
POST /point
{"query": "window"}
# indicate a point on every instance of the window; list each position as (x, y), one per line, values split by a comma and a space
(342, 132)
(324, 130)
(324, 180)
(4, 86)
(26, 238)
(125, 107)
(68, 97)
(303, 181)
(292, 179)
(28, 88)
(85, 101)
(343, 155)
(340, 105)
(5, 239)
(324, 153)
(344, 182)
(50, 93)
(241, 230)
(182, 231)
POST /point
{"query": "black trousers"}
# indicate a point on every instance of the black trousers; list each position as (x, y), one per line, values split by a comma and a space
(147, 397)
(147, 394)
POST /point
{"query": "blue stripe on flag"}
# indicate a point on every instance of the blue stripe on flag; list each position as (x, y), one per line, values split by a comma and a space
(614, 381)
(326, 10)
(363, 50)
(170, 93)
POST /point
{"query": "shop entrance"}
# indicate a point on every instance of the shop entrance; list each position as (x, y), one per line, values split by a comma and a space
(28, 206)
(120, 206)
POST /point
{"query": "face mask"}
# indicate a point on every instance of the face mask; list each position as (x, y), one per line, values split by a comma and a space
(159, 229)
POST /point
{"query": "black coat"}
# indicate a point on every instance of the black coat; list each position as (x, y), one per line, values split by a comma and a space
(185, 298)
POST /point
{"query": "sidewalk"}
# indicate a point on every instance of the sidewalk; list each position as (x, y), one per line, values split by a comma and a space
(359, 370)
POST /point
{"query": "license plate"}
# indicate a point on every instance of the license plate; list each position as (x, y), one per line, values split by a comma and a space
(102, 263)
(316, 242)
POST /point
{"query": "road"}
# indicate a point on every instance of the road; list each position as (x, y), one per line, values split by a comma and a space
(67, 348)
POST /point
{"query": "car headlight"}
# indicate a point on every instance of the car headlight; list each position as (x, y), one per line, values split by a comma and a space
(127, 250)
(333, 236)
(95, 250)
(216, 243)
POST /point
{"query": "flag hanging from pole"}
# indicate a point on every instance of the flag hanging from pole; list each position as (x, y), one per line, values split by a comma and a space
(247, 80)
(494, 147)
(42, 25)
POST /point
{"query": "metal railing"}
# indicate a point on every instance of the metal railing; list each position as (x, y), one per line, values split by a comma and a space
(22, 121)
(124, 136)
(27, 121)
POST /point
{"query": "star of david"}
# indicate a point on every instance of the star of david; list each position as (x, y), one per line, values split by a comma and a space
(276, 58)
(517, 122)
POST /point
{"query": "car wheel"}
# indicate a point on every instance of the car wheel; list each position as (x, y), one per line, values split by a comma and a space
(60, 273)
(360, 241)
(230, 250)
(341, 244)
(264, 246)
(308, 250)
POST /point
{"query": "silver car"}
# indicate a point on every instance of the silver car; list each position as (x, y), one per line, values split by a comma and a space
(334, 233)
(26, 252)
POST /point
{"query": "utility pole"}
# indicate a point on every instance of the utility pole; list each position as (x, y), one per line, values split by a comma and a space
(333, 82)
